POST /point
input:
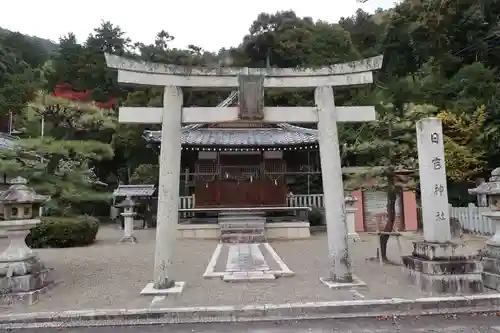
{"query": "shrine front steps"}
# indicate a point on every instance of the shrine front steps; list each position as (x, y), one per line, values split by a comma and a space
(236, 238)
(242, 227)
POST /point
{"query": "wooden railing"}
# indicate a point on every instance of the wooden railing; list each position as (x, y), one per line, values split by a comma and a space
(296, 200)
(472, 220)
(306, 200)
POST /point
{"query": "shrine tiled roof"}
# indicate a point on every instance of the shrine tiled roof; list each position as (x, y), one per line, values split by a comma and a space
(134, 191)
(281, 135)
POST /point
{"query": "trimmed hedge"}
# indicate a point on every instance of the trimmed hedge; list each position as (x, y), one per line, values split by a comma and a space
(63, 232)
(315, 217)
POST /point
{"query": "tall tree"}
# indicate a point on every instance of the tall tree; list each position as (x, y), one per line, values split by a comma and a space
(17, 86)
(60, 163)
(389, 146)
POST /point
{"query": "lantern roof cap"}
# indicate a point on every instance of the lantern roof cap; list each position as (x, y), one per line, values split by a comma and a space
(491, 187)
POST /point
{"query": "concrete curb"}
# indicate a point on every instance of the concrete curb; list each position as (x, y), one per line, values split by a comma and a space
(268, 312)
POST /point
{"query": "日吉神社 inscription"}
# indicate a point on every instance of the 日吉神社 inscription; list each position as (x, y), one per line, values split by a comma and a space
(250, 83)
(433, 188)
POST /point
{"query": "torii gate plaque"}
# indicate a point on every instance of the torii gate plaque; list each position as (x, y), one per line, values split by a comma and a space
(251, 97)
(251, 83)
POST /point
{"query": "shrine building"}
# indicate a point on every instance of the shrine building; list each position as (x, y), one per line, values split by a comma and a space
(250, 164)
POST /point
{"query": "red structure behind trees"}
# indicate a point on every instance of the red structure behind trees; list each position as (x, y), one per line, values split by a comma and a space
(65, 90)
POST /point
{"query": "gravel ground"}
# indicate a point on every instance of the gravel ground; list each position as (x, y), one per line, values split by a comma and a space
(111, 275)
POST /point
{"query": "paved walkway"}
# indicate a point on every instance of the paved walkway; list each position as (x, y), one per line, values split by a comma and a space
(111, 275)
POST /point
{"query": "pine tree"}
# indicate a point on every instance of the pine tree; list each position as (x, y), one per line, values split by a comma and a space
(59, 163)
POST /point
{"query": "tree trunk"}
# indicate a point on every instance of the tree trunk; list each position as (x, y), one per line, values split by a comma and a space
(392, 194)
(391, 199)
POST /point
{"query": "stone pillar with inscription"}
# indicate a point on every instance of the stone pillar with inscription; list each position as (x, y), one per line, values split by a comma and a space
(437, 265)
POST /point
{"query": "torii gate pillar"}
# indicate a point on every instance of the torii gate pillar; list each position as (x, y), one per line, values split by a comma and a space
(168, 188)
(333, 187)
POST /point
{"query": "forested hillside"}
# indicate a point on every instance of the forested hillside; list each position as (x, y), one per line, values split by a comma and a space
(49, 46)
(441, 58)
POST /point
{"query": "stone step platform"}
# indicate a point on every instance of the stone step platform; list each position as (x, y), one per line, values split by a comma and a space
(249, 223)
(243, 224)
(244, 231)
(242, 213)
(241, 219)
(247, 238)
(248, 277)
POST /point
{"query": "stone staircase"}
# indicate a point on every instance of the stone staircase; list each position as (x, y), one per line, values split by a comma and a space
(242, 227)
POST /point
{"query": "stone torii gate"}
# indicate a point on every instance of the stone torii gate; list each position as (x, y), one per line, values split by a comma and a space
(250, 83)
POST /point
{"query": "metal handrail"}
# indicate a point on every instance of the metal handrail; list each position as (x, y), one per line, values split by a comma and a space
(229, 99)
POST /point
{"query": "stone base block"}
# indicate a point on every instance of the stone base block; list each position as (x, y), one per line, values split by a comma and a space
(29, 297)
(128, 240)
(447, 284)
(353, 236)
(491, 274)
(448, 267)
(22, 267)
(491, 265)
(453, 276)
(492, 250)
(491, 281)
(248, 277)
(440, 251)
(27, 283)
(150, 290)
(356, 283)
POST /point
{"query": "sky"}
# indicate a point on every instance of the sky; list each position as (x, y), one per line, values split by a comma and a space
(208, 24)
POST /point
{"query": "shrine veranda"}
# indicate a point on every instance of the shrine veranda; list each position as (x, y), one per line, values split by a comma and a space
(184, 127)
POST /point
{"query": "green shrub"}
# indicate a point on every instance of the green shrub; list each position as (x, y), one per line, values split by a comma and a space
(315, 217)
(63, 232)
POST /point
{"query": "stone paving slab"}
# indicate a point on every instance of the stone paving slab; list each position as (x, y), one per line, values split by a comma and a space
(108, 275)
(245, 258)
(248, 277)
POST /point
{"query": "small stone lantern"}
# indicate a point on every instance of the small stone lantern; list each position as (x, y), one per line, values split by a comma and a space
(128, 220)
(350, 202)
(21, 207)
(491, 255)
(22, 274)
(492, 191)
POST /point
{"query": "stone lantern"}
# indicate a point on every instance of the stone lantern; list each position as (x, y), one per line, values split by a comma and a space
(128, 220)
(21, 272)
(350, 209)
(491, 255)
